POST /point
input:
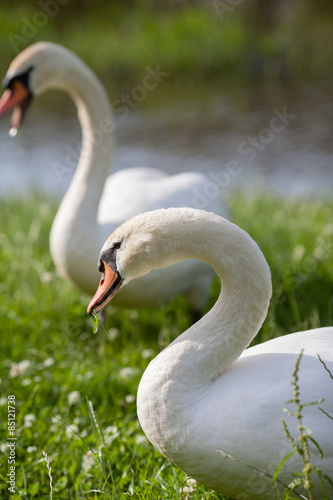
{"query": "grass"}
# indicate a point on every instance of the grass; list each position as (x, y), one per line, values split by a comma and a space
(75, 391)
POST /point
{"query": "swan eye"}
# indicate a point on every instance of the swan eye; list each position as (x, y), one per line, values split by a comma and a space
(116, 245)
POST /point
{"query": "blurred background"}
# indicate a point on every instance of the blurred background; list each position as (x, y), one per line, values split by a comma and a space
(239, 89)
(223, 69)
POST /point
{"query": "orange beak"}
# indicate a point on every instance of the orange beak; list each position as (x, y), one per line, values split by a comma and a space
(107, 288)
(17, 97)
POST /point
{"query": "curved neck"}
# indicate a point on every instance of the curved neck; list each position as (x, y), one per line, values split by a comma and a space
(227, 329)
(95, 116)
(75, 229)
(201, 354)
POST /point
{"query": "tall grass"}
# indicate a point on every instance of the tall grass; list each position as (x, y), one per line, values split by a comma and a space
(75, 390)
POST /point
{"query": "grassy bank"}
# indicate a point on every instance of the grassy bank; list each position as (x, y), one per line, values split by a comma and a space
(75, 391)
(195, 42)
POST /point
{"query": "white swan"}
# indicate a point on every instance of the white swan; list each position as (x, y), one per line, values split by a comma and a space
(95, 204)
(203, 393)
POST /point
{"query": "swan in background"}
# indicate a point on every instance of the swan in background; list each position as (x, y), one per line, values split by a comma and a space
(95, 204)
(205, 399)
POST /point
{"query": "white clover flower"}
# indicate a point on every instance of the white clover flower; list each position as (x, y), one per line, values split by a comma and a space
(147, 353)
(72, 430)
(141, 439)
(87, 461)
(319, 253)
(192, 484)
(29, 420)
(133, 314)
(111, 429)
(26, 381)
(20, 368)
(298, 253)
(190, 488)
(113, 333)
(73, 398)
(130, 398)
(46, 277)
(127, 372)
(32, 449)
(48, 362)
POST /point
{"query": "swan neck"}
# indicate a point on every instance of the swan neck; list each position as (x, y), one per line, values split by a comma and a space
(76, 223)
(181, 374)
(227, 329)
(95, 117)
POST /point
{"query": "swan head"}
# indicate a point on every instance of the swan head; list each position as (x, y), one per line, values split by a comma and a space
(34, 70)
(161, 238)
(133, 249)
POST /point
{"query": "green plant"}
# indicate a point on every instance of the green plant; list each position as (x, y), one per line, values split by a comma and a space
(301, 444)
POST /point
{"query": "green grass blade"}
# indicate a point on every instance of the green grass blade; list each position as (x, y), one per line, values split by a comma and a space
(281, 464)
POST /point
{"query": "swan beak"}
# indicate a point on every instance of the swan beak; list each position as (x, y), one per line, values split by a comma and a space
(18, 98)
(107, 288)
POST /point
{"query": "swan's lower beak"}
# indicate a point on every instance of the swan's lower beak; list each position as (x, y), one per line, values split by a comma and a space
(17, 98)
(109, 285)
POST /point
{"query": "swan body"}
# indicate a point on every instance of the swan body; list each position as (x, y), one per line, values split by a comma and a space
(207, 403)
(96, 203)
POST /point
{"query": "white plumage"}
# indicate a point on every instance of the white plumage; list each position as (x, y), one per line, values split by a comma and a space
(210, 406)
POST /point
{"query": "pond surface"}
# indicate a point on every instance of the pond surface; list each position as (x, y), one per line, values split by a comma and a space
(274, 138)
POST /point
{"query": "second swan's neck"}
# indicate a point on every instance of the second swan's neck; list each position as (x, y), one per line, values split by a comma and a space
(183, 372)
(95, 117)
(77, 216)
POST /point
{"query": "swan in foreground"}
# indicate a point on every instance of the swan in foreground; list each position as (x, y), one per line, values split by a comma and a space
(211, 407)
(96, 204)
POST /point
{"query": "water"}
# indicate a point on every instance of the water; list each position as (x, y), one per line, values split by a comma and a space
(272, 138)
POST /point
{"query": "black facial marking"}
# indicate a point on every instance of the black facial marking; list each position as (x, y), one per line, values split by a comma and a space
(110, 257)
(21, 77)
